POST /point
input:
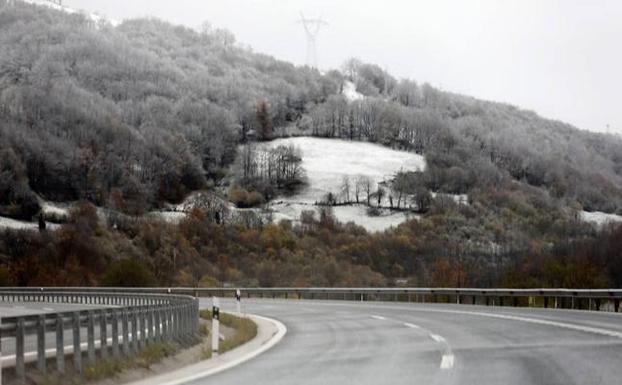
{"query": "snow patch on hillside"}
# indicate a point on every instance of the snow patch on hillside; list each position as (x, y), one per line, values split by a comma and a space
(326, 163)
(350, 92)
(13, 224)
(460, 199)
(599, 218)
(93, 16)
(52, 208)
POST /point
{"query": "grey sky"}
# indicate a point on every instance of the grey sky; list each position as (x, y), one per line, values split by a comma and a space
(561, 58)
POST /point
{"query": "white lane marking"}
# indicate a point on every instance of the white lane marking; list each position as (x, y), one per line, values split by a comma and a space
(48, 309)
(447, 362)
(378, 317)
(437, 338)
(412, 326)
(563, 325)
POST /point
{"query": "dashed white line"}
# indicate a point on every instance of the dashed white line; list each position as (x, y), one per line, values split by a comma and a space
(437, 338)
(447, 362)
(448, 358)
(412, 326)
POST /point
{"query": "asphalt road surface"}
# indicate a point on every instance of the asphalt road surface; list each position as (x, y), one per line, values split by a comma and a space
(391, 343)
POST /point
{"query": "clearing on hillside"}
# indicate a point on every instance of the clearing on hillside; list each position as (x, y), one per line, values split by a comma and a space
(328, 161)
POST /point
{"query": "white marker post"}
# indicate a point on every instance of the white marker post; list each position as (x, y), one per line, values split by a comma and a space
(0, 353)
(215, 325)
(238, 301)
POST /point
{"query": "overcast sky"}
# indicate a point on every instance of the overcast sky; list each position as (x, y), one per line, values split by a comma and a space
(561, 58)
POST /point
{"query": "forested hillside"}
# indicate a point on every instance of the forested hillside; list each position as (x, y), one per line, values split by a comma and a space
(132, 117)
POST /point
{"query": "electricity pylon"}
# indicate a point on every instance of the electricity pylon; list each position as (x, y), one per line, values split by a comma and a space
(312, 29)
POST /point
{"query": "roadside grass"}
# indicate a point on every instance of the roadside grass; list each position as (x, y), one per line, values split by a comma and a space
(245, 330)
(148, 356)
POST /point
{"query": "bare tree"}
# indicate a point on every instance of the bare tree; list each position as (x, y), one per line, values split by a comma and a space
(380, 194)
(366, 185)
(345, 189)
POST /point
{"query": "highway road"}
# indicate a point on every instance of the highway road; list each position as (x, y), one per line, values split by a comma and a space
(391, 343)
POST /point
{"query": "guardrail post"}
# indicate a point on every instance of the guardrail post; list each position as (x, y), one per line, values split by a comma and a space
(616, 305)
(177, 324)
(60, 345)
(90, 337)
(103, 334)
(150, 331)
(546, 302)
(140, 337)
(134, 339)
(114, 329)
(156, 325)
(126, 334)
(77, 351)
(20, 369)
(164, 320)
(184, 325)
(41, 344)
(597, 304)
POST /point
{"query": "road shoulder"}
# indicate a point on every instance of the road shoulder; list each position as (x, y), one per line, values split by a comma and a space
(269, 333)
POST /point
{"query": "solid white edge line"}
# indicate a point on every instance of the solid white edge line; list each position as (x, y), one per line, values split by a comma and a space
(412, 326)
(276, 338)
(537, 321)
(379, 317)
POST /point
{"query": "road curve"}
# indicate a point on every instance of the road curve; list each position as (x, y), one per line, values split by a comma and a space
(392, 343)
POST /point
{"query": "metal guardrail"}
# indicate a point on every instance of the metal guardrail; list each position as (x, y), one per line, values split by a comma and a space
(134, 321)
(585, 299)
(588, 299)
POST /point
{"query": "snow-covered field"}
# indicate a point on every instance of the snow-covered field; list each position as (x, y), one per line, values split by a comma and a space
(328, 161)
(354, 213)
(599, 218)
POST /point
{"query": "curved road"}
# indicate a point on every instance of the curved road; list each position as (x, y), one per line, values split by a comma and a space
(392, 343)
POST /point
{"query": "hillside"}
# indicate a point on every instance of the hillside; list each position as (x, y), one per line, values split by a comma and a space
(133, 118)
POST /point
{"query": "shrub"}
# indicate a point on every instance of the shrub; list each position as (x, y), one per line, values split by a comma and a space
(245, 199)
(128, 273)
(254, 199)
(238, 196)
(373, 211)
(5, 277)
